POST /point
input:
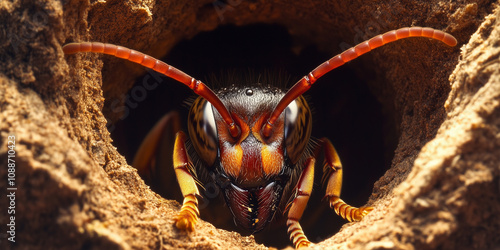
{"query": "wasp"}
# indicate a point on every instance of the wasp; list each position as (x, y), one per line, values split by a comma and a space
(253, 142)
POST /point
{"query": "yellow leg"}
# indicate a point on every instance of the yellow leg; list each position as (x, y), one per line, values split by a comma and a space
(348, 212)
(189, 214)
(298, 205)
(144, 160)
(333, 176)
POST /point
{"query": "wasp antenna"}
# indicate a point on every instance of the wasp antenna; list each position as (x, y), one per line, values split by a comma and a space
(305, 83)
(150, 62)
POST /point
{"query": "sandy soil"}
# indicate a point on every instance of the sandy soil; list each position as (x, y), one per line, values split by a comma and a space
(75, 190)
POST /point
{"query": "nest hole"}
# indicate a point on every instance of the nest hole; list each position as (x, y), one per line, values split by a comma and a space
(345, 110)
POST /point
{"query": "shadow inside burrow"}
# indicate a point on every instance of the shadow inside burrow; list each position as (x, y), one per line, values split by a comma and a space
(344, 111)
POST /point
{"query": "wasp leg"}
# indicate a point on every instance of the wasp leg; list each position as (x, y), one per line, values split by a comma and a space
(189, 213)
(299, 203)
(333, 175)
(145, 158)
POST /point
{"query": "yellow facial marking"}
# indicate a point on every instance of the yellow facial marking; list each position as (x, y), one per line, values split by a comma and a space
(233, 157)
(272, 160)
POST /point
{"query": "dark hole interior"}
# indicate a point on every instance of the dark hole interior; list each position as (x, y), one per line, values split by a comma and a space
(344, 110)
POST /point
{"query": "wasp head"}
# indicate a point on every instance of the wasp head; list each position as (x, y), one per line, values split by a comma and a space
(251, 169)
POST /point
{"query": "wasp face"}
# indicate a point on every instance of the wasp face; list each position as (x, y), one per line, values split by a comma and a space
(251, 169)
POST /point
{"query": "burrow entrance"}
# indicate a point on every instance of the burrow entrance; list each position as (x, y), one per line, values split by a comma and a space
(345, 110)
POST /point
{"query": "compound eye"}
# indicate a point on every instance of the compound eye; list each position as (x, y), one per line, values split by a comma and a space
(203, 131)
(291, 116)
(297, 128)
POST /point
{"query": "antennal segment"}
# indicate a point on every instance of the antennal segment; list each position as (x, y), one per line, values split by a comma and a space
(150, 62)
(306, 82)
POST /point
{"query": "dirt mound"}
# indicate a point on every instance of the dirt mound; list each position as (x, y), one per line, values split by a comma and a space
(71, 188)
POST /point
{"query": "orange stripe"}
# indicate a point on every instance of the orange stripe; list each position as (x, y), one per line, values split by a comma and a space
(232, 159)
(272, 160)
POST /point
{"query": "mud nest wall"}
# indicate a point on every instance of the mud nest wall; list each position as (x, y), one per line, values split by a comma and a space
(75, 190)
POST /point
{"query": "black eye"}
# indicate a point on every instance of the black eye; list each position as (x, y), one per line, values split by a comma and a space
(297, 128)
(203, 131)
